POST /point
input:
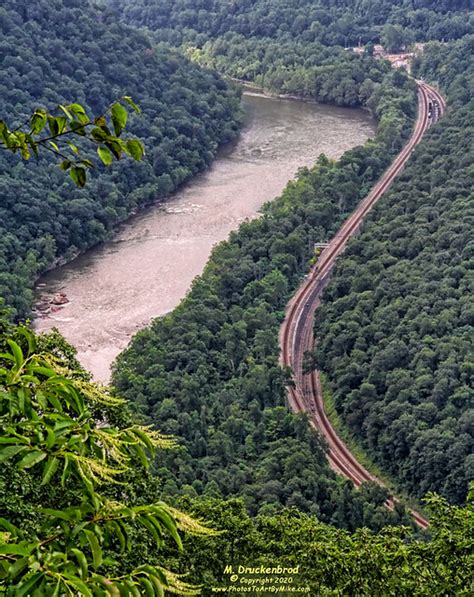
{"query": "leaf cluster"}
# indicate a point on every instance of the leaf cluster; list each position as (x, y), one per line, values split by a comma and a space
(48, 132)
(49, 433)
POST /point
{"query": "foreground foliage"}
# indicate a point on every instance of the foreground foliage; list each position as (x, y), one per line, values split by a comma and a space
(56, 437)
(45, 131)
(76, 517)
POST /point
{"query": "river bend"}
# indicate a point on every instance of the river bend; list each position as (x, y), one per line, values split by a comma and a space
(144, 271)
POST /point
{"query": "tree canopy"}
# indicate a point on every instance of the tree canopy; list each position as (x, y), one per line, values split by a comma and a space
(209, 372)
(395, 327)
(330, 22)
(70, 52)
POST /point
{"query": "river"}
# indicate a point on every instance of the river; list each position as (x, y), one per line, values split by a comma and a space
(145, 270)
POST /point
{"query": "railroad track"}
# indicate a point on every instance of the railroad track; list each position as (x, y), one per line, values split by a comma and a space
(296, 333)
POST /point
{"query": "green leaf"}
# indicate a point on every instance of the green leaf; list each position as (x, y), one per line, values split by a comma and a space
(132, 587)
(62, 123)
(77, 128)
(38, 121)
(78, 175)
(64, 423)
(57, 589)
(57, 514)
(115, 526)
(82, 560)
(66, 111)
(17, 353)
(65, 165)
(46, 371)
(30, 338)
(95, 548)
(141, 454)
(15, 550)
(9, 527)
(51, 439)
(31, 459)
(25, 152)
(49, 470)
(105, 155)
(135, 149)
(119, 118)
(169, 523)
(143, 436)
(79, 585)
(100, 121)
(110, 587)
(53, 126)
(131, 103)
(79, 113)
(23, 590)
(157, 584)
(33, 144)
(66, 472)
(10, 451)
(146, 584)
(73, 148)
(115, 147)
(156, 533)
(99, 135)
(17, 567)
(13, 440)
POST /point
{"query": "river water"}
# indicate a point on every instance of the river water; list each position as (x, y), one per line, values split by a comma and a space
(145, 270)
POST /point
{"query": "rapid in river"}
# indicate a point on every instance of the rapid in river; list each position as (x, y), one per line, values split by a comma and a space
(145, 270)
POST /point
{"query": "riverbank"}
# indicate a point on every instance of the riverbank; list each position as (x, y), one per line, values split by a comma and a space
(148, 266)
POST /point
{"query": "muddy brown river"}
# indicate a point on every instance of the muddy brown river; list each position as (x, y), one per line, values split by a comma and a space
(145, 270)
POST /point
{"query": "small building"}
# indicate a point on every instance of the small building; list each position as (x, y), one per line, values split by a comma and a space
(378, 50)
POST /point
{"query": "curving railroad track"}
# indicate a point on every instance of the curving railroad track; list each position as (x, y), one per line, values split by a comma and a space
(296, 334)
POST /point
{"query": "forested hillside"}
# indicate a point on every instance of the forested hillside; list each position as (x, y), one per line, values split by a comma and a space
(209, 373)
(395, 327)
(297, 47)
(330, 22)
(81, 516)
(64, 51)
(80, 512)
(392, 563)
(307, 69)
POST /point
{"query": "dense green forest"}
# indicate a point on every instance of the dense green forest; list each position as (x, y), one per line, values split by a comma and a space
(80, 513)
(297, 47)
(328, 75)
(330, 22)
(395, 328)
(59, 52)
(392, 563)
(209, 373)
